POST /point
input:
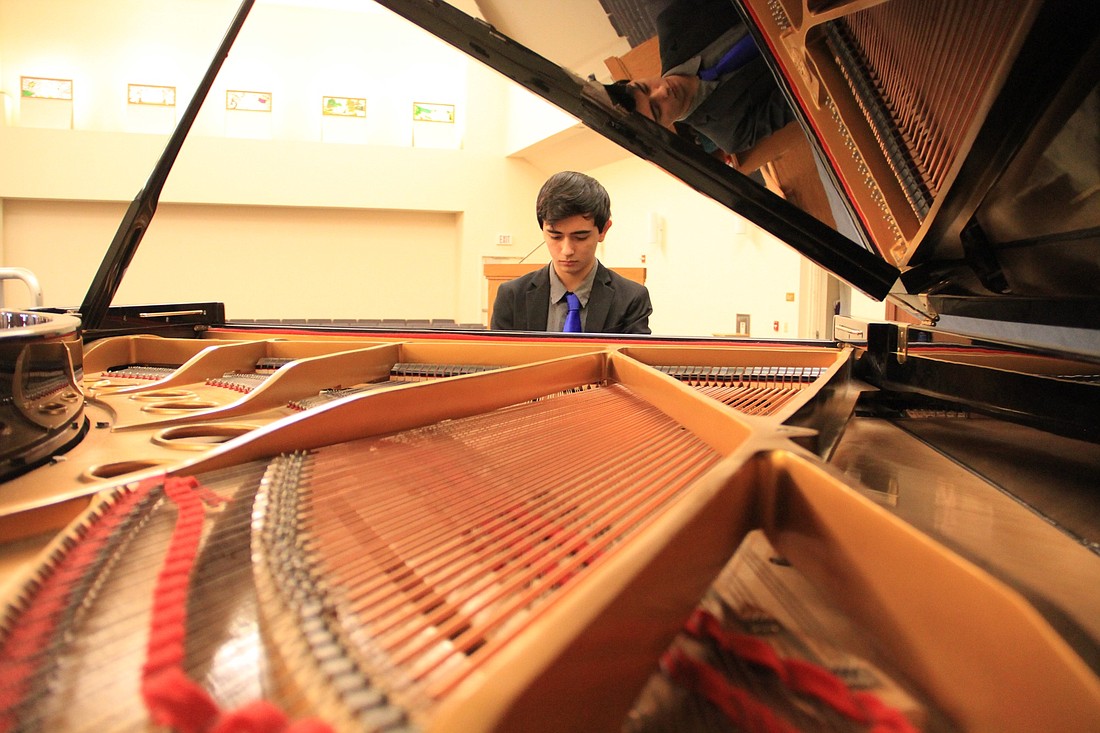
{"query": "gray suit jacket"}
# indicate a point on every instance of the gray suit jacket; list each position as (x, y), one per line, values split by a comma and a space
(615, 305)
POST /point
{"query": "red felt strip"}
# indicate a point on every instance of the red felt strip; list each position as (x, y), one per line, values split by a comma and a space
(172, 698)
(803, 677)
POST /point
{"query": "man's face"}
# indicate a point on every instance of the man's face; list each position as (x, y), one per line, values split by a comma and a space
(664, 99)
(572, 243)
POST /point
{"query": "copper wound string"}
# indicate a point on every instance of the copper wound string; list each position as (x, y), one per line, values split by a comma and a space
(435, 544)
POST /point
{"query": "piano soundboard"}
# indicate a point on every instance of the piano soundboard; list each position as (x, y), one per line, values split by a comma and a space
(436, 534)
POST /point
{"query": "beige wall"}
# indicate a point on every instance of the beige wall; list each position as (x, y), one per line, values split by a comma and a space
(708, 264)
(268, 214)
(303, 262)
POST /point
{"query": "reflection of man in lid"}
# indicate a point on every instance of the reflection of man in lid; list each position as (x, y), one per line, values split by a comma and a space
(713, 79)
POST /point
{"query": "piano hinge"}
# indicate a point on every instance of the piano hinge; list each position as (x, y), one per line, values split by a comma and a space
(901, 352)
(982, 258)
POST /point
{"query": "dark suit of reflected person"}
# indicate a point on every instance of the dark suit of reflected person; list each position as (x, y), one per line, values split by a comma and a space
(738, 107)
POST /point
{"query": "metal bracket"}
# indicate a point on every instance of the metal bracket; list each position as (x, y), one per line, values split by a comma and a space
(901, 353)
(28, 277)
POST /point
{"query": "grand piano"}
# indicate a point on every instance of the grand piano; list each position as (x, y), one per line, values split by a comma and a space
(215, 525)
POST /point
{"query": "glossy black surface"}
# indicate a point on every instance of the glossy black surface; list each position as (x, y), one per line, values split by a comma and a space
(41, 402)
(1020, 503)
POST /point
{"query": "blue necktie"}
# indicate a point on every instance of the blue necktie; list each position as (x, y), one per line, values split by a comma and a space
(739, 54)
(573, 317)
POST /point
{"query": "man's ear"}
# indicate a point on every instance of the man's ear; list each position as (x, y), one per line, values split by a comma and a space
(605, 228)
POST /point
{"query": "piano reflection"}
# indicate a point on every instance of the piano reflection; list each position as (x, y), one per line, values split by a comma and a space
(208, 525)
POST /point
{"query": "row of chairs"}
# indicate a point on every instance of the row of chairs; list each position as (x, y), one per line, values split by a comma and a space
(382, 323)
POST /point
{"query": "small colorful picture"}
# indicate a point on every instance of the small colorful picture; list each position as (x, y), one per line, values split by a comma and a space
(40, 88)
(248, 101)
(344, 106)
(428, 112)
(151, 94)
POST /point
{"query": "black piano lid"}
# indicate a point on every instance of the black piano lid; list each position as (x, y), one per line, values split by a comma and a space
(1007, 244)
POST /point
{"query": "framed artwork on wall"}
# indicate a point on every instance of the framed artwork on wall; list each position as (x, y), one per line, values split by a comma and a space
(344, 106)
(37, 87)
(432, 112)
(244, 101)
(151, 94)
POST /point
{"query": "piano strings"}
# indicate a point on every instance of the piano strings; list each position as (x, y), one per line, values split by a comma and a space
(90, 608)
(764, 652)
(918, 70)
(364, 581)
(513, 539)
(467, 534)
(749, 390)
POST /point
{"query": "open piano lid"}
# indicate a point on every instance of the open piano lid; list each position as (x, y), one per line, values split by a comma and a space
(965, 134)
(983, 193)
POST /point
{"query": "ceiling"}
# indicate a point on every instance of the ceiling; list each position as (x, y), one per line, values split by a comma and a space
(576, 34)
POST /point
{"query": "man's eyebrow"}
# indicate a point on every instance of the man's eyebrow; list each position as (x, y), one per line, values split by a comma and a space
(642, 87)
(551, 229)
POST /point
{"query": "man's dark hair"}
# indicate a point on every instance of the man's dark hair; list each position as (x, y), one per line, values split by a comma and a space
(569, 194)
(622, 95)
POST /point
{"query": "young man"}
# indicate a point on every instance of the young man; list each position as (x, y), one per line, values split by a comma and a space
(574, 292)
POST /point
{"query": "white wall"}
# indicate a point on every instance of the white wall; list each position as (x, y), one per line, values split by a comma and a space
(279, 160)
(268, 214)
(707, 265)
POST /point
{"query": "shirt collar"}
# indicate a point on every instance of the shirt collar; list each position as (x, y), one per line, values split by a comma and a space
(558, 291)
(707, 58)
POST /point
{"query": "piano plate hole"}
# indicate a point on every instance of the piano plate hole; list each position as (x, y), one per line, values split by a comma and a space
(199, 437)
(163, 394)
(178, 406)
(106, 386)
(118, 468)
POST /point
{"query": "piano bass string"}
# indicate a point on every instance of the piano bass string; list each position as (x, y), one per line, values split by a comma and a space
(749, 390)
(467, 534)
(530, 539)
